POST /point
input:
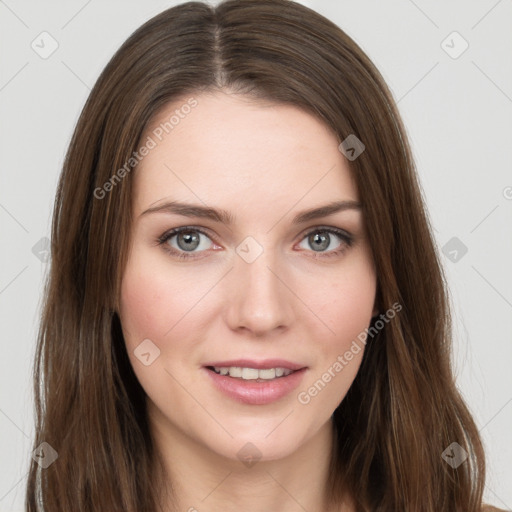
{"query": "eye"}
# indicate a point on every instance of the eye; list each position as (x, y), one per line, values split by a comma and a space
(182, 242)
(321, 239)
(187, 240)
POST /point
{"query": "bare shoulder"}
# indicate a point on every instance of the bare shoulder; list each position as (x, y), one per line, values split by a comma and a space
(490, 508)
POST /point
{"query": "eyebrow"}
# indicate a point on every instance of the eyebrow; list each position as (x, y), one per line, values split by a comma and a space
(225, 217)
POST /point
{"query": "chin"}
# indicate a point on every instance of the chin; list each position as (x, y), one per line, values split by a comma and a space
(267, 440)
(248, 450)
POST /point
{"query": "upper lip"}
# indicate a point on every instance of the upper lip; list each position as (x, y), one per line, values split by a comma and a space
(258, 365)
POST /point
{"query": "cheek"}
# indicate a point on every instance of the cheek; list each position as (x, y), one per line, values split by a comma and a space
(348, 306)
(351, 303)
(153, 302)
(141, 304)
(351, 311)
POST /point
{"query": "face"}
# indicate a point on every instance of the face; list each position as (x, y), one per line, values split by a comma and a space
(239, 309)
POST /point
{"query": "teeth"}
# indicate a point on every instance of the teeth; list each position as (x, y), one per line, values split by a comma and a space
(269, 373)
(249, 373)
(252, 373)
(235, 371)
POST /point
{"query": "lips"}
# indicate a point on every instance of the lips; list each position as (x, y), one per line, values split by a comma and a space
(259, 365)
(255, 382)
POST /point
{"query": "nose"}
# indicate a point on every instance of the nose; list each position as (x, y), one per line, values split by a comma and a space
(259, 298)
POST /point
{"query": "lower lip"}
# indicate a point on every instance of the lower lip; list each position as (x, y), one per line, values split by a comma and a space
(256, 393)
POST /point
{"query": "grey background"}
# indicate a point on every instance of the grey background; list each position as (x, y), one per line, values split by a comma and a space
(458, 115)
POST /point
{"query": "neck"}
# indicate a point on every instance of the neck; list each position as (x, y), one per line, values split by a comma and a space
(204, 481)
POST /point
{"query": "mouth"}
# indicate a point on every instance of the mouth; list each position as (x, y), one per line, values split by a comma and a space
(252, 374)
(255, 383)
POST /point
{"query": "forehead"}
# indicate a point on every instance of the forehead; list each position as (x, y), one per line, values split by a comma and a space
(234, 150)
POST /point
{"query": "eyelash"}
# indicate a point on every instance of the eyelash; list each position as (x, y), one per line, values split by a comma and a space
(346, 238)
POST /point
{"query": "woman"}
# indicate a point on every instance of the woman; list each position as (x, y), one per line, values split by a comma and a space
(245, 308)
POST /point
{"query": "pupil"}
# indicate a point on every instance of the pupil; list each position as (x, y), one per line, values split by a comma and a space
(321, 239)
(189, 239)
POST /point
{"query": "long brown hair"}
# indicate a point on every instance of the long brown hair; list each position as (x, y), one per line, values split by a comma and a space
(403, 409)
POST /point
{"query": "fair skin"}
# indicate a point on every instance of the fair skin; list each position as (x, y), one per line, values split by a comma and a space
(297, 301)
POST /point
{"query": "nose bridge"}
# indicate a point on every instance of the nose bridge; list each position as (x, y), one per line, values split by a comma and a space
(260, 301)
